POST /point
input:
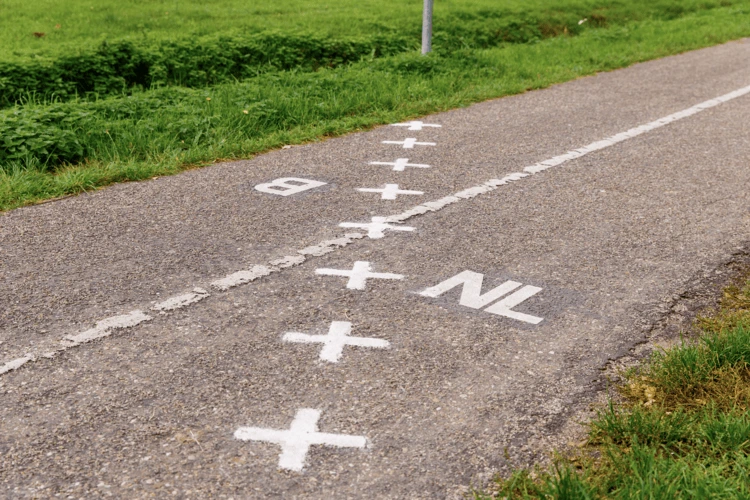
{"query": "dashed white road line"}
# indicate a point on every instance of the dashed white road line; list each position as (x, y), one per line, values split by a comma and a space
(329, 246)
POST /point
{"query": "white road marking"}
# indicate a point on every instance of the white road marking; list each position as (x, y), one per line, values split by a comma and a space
(503, 307)
(415, 125)
(400, 164)
(471, 295)
(296, 442)
(287, 186)
(390, 192)
(180, 301)
(358, 276)
(14, 364)
(106, 327)
(329, 246)
(410, 142)
(241, 277)
(334, 342)
(376, 229)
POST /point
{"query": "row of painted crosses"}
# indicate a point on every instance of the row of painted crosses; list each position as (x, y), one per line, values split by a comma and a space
(295, 442)
(303, 433)
(287, 186)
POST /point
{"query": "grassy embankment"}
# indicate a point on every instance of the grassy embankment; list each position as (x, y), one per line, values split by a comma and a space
(75, 119)
(683, 430)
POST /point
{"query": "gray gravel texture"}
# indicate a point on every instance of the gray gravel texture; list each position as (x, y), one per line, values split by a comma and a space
(461, 393)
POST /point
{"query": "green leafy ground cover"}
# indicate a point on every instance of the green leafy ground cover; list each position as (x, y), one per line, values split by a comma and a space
(77, 115)
(683, 430)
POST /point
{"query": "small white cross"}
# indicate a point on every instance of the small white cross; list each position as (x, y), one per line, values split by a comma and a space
(400, 164)
(377, 228)
(334, 342)
(296, 442)
(415, 125)
(390, 192)
(359, 275)
(410, 142)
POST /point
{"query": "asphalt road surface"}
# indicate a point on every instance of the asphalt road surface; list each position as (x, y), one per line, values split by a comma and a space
(226, 334)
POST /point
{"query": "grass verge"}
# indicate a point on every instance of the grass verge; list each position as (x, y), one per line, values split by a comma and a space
(50, 150)
(683, 430)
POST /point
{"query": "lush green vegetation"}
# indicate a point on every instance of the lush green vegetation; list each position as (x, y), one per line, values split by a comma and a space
(683, 431)
(229, 80)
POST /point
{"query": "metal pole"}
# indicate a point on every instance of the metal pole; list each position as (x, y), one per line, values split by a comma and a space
(427, 27)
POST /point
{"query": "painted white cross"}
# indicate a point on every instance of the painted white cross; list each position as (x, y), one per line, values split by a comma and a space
(334, 342)
(400, 164)
(390, 192)
(410, 142)
(377, 228)
(415, 125)
(296, 442)
(358, 276)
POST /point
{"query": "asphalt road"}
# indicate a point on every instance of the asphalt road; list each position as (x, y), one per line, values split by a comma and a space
(576, 263)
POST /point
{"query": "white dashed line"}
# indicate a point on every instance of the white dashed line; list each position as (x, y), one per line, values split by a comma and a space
(180, 301)
(329, 246)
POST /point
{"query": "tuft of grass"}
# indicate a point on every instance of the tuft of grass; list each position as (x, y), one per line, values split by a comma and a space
(48, 150)
(683, 430)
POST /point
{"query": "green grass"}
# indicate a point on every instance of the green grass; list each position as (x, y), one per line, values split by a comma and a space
(75, 24)
(683, 431)
(309, 87)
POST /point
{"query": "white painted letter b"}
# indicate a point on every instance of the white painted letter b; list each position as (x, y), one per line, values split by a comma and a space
(287, 186)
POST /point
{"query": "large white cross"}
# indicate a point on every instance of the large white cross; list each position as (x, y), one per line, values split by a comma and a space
(390, 192)
(296, 442)
(415, 125)
(410, 142)
(400, 164)
(377, 228)
(334, 342)
(358, 276)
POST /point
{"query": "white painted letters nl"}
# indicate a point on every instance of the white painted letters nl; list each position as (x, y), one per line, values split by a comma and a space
(287, 186)
(471, 295)
(296, 442)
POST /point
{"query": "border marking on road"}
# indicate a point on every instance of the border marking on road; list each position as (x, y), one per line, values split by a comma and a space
(287, 186)
(400, 164)
(390, 191)
(358, 275)
(410, 142)
(471, 295)
(329, 246)
(415, 125)
(333, 343)
(296, 442)
(377, 228)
